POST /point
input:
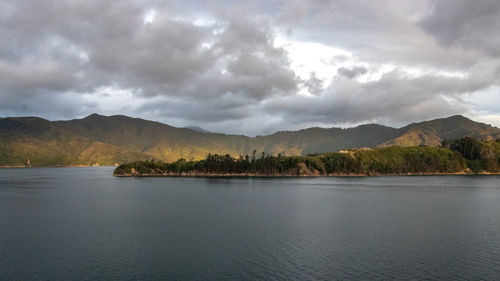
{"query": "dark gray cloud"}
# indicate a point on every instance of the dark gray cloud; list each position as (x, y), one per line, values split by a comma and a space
(91, 44)
(352, 72)
(384, 31)
(349, 101)
(314, 85)
(47, 105)
(472, 25)
(216, 64)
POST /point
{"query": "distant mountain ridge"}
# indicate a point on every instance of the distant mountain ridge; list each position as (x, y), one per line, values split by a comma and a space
(198, 129)
(107, 140)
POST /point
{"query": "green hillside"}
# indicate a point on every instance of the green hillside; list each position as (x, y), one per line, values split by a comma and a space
(378, 161)
(434, 131)
(45, 144)
(170, 143)
(118, 139)
(459, 156)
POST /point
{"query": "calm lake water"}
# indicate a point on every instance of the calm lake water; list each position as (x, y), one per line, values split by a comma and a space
(84, 224)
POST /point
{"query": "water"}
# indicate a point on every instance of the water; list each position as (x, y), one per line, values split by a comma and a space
(84, 224)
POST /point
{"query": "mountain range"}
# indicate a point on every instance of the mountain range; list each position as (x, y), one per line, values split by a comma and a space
(107, 140)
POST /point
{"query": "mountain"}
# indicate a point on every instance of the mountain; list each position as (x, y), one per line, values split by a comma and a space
(45, 143)
(198, 129)
(434, 131)
(116, 139)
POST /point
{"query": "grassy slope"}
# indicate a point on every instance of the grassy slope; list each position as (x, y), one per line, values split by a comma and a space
(434, 131)
(46, 145)
(154, 139)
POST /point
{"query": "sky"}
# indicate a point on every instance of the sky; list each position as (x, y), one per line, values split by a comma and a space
(252, 67)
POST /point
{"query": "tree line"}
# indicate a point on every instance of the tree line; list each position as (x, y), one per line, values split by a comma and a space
(453, 156)
(266, 164)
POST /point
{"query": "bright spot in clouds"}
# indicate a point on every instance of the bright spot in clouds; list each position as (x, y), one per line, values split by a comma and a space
(150, 17)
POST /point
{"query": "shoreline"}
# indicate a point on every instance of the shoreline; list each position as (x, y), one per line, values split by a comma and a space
(53, 166)
(209, 175)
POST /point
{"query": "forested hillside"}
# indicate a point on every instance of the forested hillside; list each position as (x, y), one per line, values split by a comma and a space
(465, 155)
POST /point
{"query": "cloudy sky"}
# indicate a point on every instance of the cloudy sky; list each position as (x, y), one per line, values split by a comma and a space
(251, 67)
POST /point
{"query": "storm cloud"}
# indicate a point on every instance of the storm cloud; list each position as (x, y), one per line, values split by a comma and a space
(250, 67)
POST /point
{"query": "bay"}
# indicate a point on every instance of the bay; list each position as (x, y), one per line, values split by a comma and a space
(84, 224)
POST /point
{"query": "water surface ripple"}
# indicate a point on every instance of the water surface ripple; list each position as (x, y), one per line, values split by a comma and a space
(84, 224)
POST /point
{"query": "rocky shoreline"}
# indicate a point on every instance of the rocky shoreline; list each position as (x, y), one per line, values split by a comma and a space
(250, 175)
(53, 166)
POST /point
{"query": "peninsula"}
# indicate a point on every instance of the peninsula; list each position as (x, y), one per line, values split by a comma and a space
(460, 156)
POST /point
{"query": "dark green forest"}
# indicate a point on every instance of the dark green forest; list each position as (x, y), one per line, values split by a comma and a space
(465, 155)
(480, 155)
